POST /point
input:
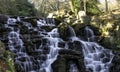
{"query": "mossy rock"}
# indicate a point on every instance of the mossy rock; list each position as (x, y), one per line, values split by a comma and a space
(63, 28)
(33, 21)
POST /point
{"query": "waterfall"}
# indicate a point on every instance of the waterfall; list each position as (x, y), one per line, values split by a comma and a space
(52, 56)
(22, 57)
(96, 57)
(72, 32)
(36, 49)
(89, 34)
(73, 67)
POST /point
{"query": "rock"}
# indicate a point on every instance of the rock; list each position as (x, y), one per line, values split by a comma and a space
(61, 44)
(24, 30)
(105, 60)
(59, 65)
(98, 68)
(69, 52)
(62, 62)
(101, 55)
(31, 20)
(115, 63)
(3, 19)
(76, 45)
(66, 31)
(47, 28)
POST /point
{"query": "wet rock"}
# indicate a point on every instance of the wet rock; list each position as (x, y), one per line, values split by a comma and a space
(43, 57)
(98, 68)
(24, 30)
(47, 28)
(45, 41)
(64, 31)
(69, 52)
(22, 59)
(105, 60)
(71, 55)
(33, 21)
(115, 63)
(76, 45)
(59, 65)
(101, 55)
(3, 19)
(61, 44)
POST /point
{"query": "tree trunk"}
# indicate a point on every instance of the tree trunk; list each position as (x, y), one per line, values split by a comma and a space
(106, 5)
(71, 2)
(85, 6)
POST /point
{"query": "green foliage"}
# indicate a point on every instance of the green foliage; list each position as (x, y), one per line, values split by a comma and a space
(117, 42)
(24, 8)
(76, 5)
(92, 7)
(16, 7)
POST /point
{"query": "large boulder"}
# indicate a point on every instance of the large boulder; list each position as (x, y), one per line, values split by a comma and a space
(66, 56)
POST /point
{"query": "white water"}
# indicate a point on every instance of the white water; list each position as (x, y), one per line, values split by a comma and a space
(16, 45)
(96, 57)
(73, 67)
(89, 34)
(52, 56)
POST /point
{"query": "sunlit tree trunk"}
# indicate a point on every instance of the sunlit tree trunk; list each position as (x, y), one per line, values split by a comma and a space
(71, 2)
(85, 6)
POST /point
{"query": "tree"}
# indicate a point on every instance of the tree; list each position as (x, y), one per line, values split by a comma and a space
(71, 2)
(106, 5)
(16, 7)
(24, 8)
(85, 5)
(91, 7)
(118, 1)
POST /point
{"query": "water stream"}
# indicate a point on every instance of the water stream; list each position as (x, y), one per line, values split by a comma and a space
(38, 53)
(96, 57)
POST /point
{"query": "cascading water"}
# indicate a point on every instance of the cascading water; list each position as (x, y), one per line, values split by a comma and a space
(36, 49)
(96, 57)
(52, 56)
(89, 34)
(22, 58)
(73, 67)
